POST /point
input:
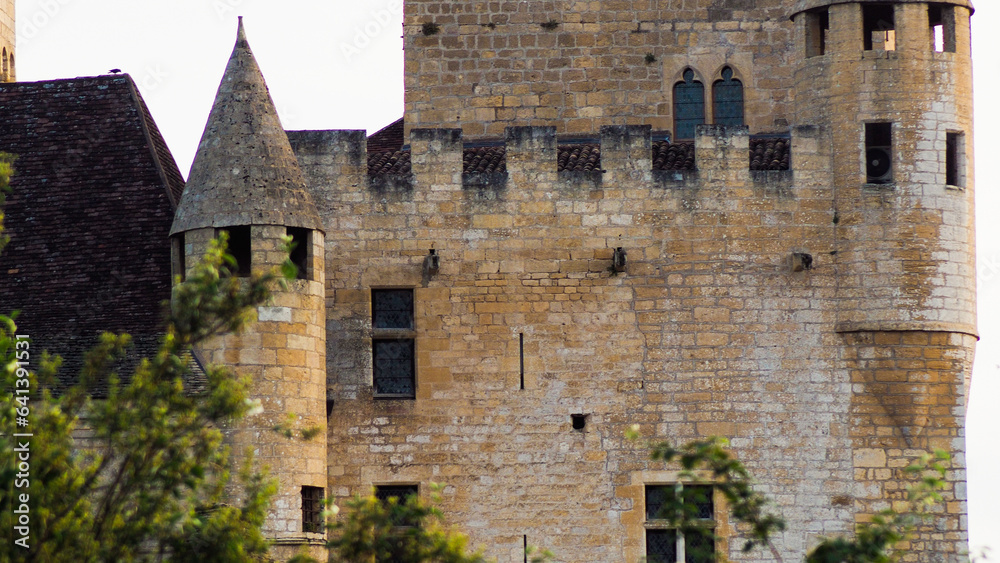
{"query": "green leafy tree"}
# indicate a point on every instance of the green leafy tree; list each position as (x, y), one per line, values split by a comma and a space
(150, 483)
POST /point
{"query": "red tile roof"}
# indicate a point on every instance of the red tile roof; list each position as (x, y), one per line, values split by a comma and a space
(769, 153)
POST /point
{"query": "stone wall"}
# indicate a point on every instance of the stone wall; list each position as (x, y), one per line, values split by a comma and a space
(7, 41)
(713, 328)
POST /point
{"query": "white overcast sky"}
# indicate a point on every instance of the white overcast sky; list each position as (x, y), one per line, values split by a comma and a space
(338, 64)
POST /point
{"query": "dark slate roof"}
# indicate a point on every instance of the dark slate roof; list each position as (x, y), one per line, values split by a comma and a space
(769, 153)
(676, 156)
(245, 172)
(88, 214)
(389, 137)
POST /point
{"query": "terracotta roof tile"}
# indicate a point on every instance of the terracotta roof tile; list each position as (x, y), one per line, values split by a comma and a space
(385, 162)
(579, 158)
(769, 153)
(88, 214)
(676, 156)
(484, 160)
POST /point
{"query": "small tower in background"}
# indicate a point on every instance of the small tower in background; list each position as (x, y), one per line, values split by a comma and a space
(245, 180)
(7, 39)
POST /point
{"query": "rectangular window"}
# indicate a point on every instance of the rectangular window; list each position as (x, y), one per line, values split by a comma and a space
(301, 251)
(942, 22)
(879, 27)
(177, 256)
(393, 344)
(239, 248)
(955, 160)
(400, 493)
(878, 153)
(664, 543)
(817, 27)
(312, 509)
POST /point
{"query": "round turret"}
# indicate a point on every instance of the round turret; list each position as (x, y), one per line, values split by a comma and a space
(245, 180)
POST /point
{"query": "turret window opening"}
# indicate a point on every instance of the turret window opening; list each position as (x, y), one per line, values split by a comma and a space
(6, 70)
(879, 27)
(177, 256)
(942, 22)
(689, 105)
(727, 99)
(955, 160)
(817, 28)
(301, 252)
(393, 344)
(312, 510)
(878, 153)
(239, 248)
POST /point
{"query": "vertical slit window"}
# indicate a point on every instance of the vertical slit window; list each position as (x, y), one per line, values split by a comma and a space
(177, 255)
(727, 99)
(878, 153)
(301, 252)
(879, 27)
(239, 248)
(689, 106)
(817, 27)
(942, 22)
(312, 509)
(393, 343)
(955, 160)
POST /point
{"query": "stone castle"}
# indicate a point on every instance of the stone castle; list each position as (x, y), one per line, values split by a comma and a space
(745, 218)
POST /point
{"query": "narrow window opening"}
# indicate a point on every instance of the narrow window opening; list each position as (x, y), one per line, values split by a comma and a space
(579, 421)
(817, 28)
(525, 548)
(393, 344)
(878, 153)
(239, 248)
(177, 256)
(522, 360)
(312, 509)
(6, 71)
(942, 22)
(330, 403)
(879, 27)
(301, 251)
(727, 99)
(955, 159)
(689, 106)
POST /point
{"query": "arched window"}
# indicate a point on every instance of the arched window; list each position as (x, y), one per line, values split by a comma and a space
(689, 106)
(5, 72)
(727, 99)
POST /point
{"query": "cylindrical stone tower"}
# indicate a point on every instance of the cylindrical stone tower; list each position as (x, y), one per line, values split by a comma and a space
(891, 84)
(8, 33)
(245, 180)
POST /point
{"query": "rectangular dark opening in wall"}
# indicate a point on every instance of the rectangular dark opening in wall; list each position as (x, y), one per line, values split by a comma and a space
(312, 509)
(521, 335)
(401, 493)
(817, 27)
(392, 308)
(878, 153)
(955, 159)
(942, 22)
(239, 248)
(301, 241)
(177, 256)
(879, 27)
(393, 344)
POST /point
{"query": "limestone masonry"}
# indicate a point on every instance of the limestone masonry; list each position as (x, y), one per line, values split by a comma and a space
(744, 218)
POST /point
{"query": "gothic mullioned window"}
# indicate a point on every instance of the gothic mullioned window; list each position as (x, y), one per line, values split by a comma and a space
(727, 99)
(666, 544)
(393, 343)
(689, 106)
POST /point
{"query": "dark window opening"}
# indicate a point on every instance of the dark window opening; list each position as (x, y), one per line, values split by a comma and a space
(664, 544)
(879, 27)
(521, 335)
(301, 241)
(878, 153)
(817, 28)
(177, 256)
(393, 344)
(579, 421)
(312, 509)
(942, 22)
(689, 106)
(727, 99)
(955, 159)
(239, 248)
(397, 495)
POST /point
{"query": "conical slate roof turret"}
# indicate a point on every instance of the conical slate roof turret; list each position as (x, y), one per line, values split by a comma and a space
(245, 172)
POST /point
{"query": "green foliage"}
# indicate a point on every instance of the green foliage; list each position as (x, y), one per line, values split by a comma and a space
(399, 531)
(874, 541)
(149, 484)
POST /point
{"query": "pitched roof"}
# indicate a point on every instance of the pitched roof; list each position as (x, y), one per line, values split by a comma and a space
(88, 214)
(770, 153)
(244, 172)
(389, 137)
